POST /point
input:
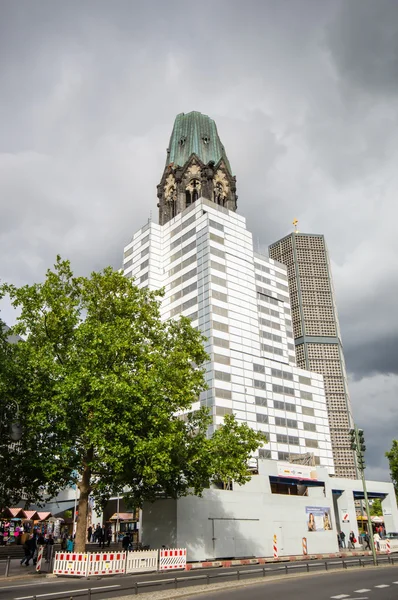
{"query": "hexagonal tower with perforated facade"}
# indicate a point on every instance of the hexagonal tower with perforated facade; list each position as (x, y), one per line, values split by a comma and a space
(317, 333)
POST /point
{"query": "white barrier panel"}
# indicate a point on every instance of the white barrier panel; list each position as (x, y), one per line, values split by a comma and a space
(106, 563)
(142, 561)
(70, 563)
(172, 559)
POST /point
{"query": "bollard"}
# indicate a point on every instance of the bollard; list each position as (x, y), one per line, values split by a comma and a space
(175, 583)
(326, 566)
(263, 571)
(207, 579)
(89, 594)
(136, 588)
(308, 567)
(285, 569)
(8, 564)
(238, 574)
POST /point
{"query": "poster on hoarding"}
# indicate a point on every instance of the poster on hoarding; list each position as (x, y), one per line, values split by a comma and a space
(318, 518)
(296, 471)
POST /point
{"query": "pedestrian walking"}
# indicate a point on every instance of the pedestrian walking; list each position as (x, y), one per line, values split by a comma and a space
(376, 539)
(352, 539)
(366, 539)
(126, 541)
(26, 550)
(89, 534)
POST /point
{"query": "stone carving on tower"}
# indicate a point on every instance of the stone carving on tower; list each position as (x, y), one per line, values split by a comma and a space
(196, 167)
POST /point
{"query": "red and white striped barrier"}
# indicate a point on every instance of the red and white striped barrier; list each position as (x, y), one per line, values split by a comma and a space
(304, 544)
(388, 546)
(71, 563)
(106, 563)
(40, 553)
(275, 546)
(111, 563)
(175, 558)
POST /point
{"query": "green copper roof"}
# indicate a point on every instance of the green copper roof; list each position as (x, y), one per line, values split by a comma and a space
(195, 133)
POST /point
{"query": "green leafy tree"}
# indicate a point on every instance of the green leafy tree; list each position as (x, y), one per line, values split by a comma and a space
(376, 509)
(101, 381)
(17, 471)
(392, 456)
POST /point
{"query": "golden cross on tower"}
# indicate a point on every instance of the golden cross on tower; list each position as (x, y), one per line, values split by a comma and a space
(295, 223)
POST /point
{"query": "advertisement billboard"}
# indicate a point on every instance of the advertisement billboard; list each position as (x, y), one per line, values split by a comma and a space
(318, 518)
(297, 471)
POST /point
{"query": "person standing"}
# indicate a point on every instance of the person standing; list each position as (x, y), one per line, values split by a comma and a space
(89, 534)
(109, 535)
(97, 533)
(342, 539)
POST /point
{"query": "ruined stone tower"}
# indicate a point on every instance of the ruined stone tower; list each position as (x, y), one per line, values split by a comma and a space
(196, 167)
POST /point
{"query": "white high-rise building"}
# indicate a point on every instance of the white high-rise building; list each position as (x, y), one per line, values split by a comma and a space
(202, 255)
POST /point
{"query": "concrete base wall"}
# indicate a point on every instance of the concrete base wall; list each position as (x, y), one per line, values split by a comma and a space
(242, 522)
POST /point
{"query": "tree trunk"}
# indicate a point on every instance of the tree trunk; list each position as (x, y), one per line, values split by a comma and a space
(81, 526)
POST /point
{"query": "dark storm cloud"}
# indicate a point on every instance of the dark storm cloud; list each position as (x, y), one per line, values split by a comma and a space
(364, 43)
(304, 96)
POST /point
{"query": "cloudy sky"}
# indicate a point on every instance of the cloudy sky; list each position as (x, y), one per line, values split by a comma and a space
(304, 93)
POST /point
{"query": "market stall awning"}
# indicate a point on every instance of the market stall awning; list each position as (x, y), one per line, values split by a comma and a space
(123, 517)
(43, 516)
(14, 513)
(31, 515)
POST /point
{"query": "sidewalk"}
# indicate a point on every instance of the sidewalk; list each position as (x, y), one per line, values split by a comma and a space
(18, 571)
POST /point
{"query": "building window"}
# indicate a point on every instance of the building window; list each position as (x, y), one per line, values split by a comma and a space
(220, 342)
(304, 380)
(263, 453)
(309, 426)
(225, 394)
(223, 360)
(284, 406)
(311, 443)
(220, 326)
(306, 395)
(217, 310)
(221, 411)
(216, 238)
(258, 368)
(306, 410)
(262, 418)
(260, 401)
(259, 384)
(222, 376)
(282, 389)
(283, 456)
(282, 374)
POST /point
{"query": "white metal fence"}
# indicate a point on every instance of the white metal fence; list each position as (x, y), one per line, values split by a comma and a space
(142, 561)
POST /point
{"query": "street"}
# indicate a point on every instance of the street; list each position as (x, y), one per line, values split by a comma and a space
(116, 586)
(371, 584)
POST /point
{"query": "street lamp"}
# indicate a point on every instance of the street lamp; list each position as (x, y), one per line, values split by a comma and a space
(358, 445)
